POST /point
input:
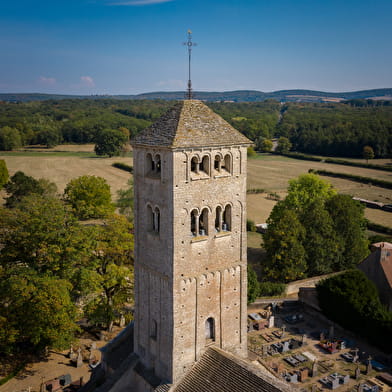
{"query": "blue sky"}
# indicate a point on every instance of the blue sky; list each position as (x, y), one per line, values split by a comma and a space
(134, 46)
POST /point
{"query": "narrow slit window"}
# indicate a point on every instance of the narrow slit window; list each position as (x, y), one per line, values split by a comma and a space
(226, 225)
(156, 220)
(210, 330)
(203, 222)
(218, 219)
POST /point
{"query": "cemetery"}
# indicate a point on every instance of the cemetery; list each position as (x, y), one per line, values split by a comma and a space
(306, 350)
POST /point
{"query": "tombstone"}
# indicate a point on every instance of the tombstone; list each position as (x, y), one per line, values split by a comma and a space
(357, 373)
(79, 360)
(271, 322)
(314, 369)
(360, 387)
(286, 346)
(331, 332)
(303, 341)
(122, 321)
(334, 383)
(264, 350)
(93, 346)
(43, 387)
(303, 374)
(356, 356)
(322, 336)
(283, 331)
(369, 365)
(314, 388)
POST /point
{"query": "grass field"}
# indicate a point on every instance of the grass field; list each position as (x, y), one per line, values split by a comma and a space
(269, 172)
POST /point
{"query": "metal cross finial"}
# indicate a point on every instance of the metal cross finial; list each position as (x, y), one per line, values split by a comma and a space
(189, 44)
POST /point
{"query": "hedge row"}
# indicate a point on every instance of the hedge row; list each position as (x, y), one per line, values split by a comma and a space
(353, 177)
(336, 161)
(123, 166)
(379, 228)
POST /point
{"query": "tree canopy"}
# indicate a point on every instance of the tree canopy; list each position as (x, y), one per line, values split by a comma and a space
(89, 197)
(110, 142)
(4, 176)
(314, 231)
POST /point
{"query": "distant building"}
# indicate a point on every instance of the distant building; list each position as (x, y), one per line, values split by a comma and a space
(378, 268)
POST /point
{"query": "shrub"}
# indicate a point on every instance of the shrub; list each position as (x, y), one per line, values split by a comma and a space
(123, 166)
(271, 289)
(250, 225)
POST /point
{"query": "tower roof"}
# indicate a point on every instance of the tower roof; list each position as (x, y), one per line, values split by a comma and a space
(188, 124)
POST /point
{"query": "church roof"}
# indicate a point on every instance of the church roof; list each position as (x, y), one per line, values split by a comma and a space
(188, 124)
(218, 371)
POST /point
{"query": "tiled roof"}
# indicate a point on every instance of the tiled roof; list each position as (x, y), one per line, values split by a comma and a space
(218, 371)
(188, 124)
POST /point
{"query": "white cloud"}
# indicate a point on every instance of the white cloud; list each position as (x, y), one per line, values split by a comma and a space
(138, 2)
(87, 81)
(47, 81)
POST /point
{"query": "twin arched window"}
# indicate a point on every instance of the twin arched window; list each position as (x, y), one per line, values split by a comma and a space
(153, 165)
(199, 221)
(222, 165)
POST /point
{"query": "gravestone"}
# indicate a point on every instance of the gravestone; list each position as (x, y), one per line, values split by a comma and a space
(334, 383)
(331, 332)
(283, 331)
(79, 360)
(356, 356)
(271, 322)
(357, 373)
(303, 341)
(369, 365)
(314, 388)
(314, 369)
(122, 321)
(285, 346)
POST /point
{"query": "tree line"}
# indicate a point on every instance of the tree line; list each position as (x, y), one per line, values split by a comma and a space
(333, 129)
(54, 268)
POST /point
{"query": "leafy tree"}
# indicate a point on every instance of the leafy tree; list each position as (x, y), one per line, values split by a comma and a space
(368, 153)
(284, 145)
(320, 242)
(284, 244)
(10, 139)
(21, 185)
(111, 268)
(3, 173)
(50, 137)
(350, 227)
(109, 142)
(352, 300)
(307, 189)
(251, 152)
(89, 197)
(253, 285)
(125, 201)
(36, 309)
(266, 145)
(42, 233)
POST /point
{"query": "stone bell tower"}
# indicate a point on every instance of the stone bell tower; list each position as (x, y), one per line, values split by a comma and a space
(190, 239)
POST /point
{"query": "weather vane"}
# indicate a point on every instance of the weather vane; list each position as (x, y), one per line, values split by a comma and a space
(189, 44)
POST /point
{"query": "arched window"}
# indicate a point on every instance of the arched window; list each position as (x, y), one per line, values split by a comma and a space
(150, 164)
(194, 223)
(156, 220)
(157, 160)
(226, 164)
(210, 330)
(218, 219)
(154, 330)
(217, 163)
(205, 164)
(203, 222)
(226, 224)
(195, 165)
(150, 218)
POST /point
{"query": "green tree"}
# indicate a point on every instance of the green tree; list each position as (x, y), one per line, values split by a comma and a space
(111, 269)
(36, 309)
(110, 142)
(350, 227)
(266, 145)
(10, 139)
(253, 285)
(251, 152)
(4, 176)
(283, 242)
(42, 233)
(284, 145)
(307, 189)
(125, 201)
(21, 185)
(320, 242)
(368, 153)
(89, 197)
(50, 137)
(352, 300)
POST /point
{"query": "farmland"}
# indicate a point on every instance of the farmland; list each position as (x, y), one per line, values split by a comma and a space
(268, 172)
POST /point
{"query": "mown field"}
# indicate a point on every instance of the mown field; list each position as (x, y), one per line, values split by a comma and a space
(268, 172)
